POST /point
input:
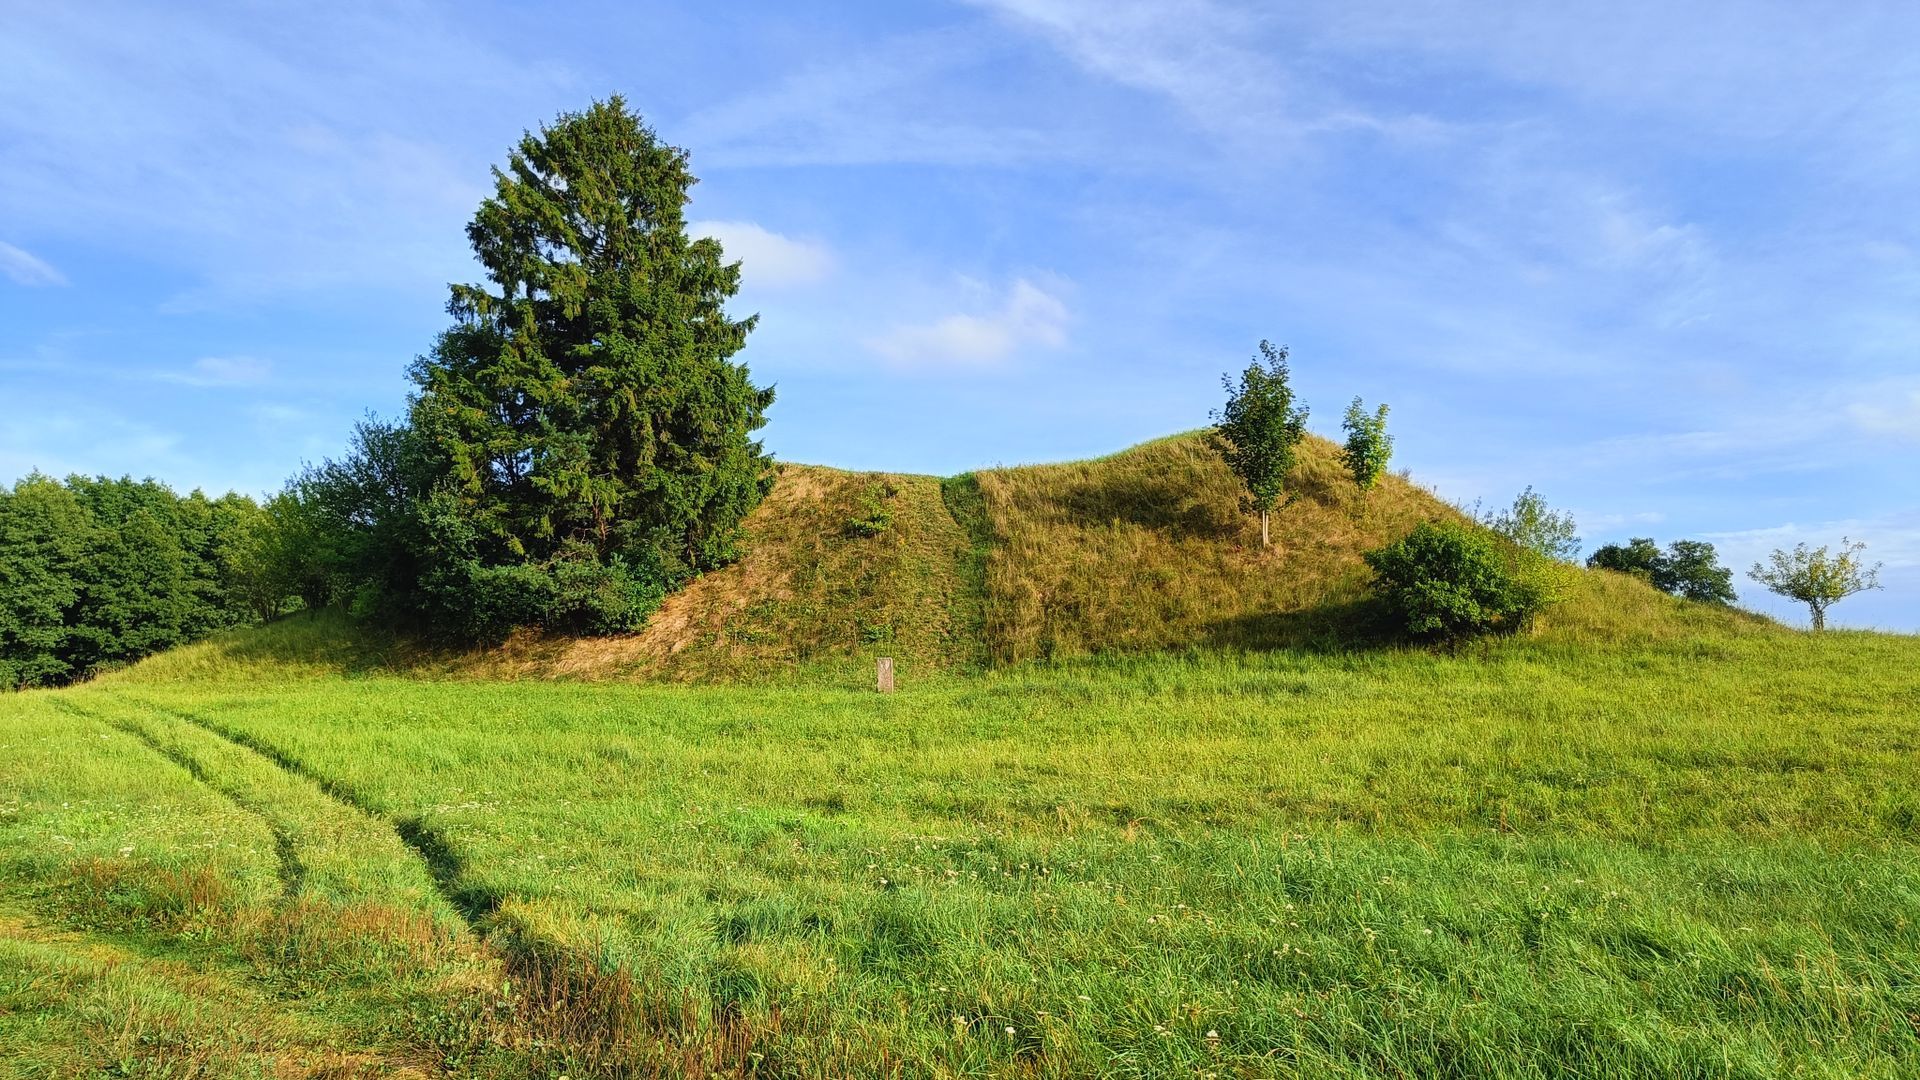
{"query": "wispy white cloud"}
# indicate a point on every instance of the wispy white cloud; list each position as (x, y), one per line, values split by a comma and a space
(1893, 539)
(1592, 524)
(889, 101)
(26, 268)
(1214, 62)
(221, 371)
(1027, 316)
(769, 258)
(1896, 413)
(84, 439)
(256, 161)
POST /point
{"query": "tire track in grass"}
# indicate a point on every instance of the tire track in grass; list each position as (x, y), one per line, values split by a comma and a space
(291, 870)
(444, 865)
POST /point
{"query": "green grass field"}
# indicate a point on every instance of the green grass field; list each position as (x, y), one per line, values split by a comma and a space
(1692, 855)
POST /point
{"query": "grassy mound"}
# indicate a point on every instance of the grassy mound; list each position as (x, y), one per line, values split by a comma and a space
(1143, 551)
(1150, 549)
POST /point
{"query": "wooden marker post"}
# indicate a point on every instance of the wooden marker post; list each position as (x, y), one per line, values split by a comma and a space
(885, 673)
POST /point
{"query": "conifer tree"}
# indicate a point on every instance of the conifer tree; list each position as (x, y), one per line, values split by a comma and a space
(585, 407)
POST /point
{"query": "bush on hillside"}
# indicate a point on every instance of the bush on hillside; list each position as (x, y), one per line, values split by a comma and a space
(1449, 581)
(872, 514)
(1688, 568)
(1369, 447)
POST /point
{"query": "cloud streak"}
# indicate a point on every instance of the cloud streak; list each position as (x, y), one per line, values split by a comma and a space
(23, 267)
(768, 258)
(1029, 316)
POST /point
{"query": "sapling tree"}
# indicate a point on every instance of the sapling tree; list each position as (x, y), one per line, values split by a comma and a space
(1368, 444)
(1259, 429)
(1536, 527)
(1817, 577)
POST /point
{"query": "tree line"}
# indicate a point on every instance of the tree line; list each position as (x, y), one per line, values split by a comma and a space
(97, 572)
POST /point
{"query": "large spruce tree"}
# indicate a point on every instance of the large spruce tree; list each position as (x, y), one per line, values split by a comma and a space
(589, 433)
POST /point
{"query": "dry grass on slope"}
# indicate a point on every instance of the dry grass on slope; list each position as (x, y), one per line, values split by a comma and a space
(811, 589)
(1150, 549)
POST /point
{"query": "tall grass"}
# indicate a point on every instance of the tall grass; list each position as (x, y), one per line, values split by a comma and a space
(1151, 549)
(1683, 855)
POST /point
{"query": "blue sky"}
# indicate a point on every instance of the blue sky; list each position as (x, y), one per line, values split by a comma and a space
(1661, 261)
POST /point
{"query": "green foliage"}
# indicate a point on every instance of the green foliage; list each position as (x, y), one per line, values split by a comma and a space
(873, 514)
(1691, 569)
(1816, 577)
(96, 572)
(44, 536)
(1368, 447)
(1639, 557)
(580, 442)
(1449, 581)
(1688, 568)
(1258, 429)
(1534, 526)
(586, 395)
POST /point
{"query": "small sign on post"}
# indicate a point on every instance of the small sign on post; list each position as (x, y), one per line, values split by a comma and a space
(885, 673)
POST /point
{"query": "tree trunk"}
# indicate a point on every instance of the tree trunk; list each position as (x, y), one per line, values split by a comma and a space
(1819, 617)
(1265, 539)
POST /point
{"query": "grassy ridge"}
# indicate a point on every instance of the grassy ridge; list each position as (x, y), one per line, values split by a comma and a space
(1150, 549)
(1142, 551)
(1689, 856)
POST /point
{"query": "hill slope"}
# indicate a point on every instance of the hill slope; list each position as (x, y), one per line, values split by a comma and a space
(1144, 550)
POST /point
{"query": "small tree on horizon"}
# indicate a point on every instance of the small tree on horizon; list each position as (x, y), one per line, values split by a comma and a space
(1688, 568)
(1258, 430)
(1369, 447)
(1537, 527)
(1816, 577)
(1691, 569)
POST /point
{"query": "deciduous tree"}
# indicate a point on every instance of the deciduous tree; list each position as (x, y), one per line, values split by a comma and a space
(1369, 447)
(1536, 527)
(1817, 577)
(1258, 429)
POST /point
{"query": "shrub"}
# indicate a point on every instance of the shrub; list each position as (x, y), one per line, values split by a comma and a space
(872, 516)
(1691, 569)
(1637, 557)
(1448, 581)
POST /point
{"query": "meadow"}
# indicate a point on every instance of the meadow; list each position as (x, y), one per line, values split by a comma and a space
(1570, 854)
